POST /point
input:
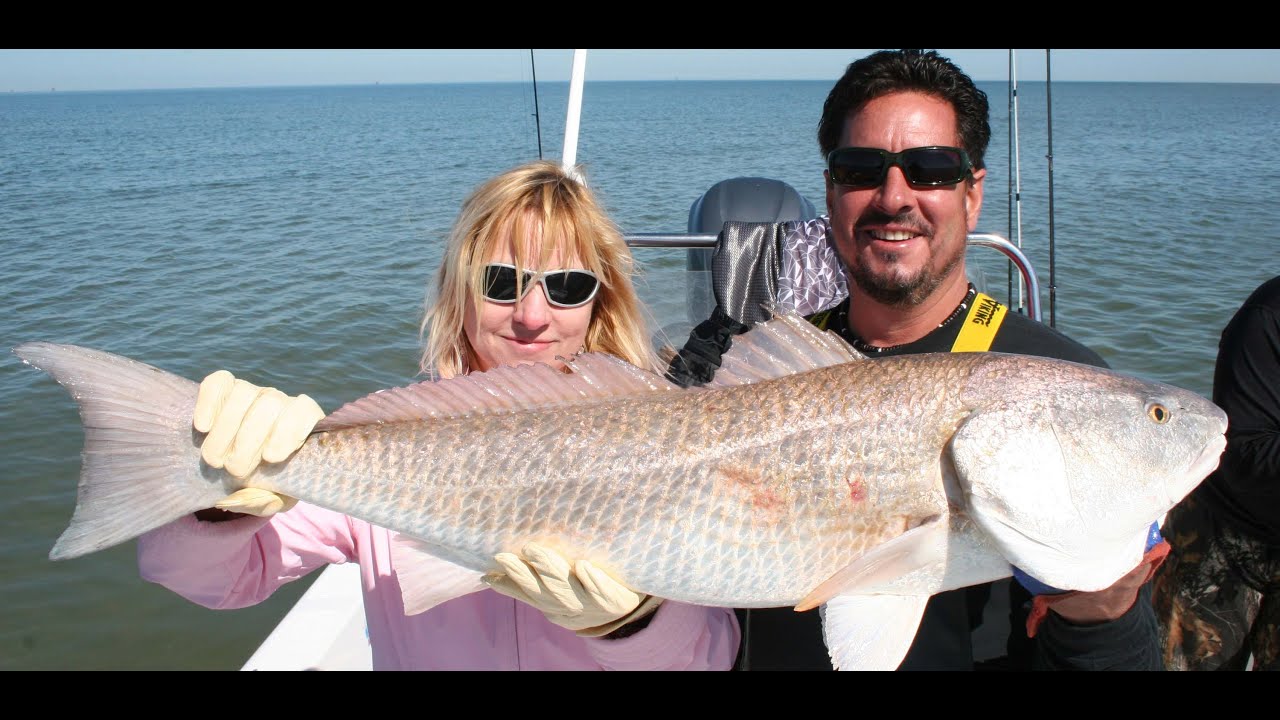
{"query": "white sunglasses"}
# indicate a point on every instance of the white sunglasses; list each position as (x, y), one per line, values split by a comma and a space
(563, 288)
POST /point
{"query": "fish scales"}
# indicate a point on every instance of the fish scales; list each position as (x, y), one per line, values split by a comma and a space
(786, 473)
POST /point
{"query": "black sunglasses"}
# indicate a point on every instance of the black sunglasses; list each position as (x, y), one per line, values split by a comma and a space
(563, 288)
(861, 167)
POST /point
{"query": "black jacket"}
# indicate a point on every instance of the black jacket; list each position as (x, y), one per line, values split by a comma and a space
(1245, 489)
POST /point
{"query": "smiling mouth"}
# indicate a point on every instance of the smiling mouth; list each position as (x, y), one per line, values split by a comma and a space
(892, 235)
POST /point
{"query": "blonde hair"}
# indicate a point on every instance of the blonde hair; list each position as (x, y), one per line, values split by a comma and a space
(535, 201)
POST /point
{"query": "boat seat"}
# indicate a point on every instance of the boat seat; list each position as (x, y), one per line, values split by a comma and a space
(745, 262)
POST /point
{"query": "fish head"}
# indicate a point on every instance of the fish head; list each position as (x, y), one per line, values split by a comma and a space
(1066, 465)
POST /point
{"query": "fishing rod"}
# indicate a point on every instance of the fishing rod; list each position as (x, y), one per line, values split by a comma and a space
(1012, 91)
(537, 118)
(1048, 95)
(1015, 174)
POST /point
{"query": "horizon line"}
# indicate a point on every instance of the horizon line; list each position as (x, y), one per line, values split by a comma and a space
(14, 91)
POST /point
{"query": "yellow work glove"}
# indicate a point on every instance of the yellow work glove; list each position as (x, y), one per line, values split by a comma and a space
(582, 597)
(247, 425)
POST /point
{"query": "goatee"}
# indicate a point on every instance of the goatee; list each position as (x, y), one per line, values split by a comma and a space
(895, 290)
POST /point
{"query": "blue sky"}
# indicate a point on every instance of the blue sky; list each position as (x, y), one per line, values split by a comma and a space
(33, 70)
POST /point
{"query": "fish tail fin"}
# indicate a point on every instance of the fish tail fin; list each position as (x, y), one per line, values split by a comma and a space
(140, 466)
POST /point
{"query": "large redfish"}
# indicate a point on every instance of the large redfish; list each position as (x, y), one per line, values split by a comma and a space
(805, 475)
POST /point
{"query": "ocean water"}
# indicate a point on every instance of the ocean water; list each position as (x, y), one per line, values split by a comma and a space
(288, 234)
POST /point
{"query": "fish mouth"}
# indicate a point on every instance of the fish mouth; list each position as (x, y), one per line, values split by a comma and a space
(1198, 470)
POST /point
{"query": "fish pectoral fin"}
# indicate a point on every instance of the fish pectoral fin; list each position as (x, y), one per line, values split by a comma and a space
(426, 579)
(918, 548)
(871, 632)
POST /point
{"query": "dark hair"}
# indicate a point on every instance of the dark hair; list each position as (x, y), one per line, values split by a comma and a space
(888, 71)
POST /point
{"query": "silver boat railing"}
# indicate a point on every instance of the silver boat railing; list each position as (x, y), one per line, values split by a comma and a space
(672, 241)
(1014, 253)
(692, 241)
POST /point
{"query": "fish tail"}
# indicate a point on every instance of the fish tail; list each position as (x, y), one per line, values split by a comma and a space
(140, 467)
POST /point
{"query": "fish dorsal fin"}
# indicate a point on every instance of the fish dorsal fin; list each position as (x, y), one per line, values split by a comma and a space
(505, 389)
(785, 344)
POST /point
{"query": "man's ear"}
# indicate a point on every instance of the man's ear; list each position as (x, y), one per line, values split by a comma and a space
(973, 198)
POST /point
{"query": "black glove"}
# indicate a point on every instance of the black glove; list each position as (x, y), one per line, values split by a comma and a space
(696, 363)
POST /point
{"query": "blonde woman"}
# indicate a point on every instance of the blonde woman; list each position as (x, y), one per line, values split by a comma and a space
(534, 271)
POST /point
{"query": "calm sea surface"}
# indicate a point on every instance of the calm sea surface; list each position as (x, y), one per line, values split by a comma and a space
(288, 234)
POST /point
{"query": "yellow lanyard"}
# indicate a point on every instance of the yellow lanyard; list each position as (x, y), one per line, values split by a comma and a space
(977, 333)
(980, 325)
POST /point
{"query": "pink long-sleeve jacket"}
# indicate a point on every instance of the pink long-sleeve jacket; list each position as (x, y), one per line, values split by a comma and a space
(238, 563)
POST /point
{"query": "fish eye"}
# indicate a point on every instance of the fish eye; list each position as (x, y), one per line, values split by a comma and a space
(1158, 413)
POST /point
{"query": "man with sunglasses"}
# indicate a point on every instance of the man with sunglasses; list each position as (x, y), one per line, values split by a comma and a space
(904, 134)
